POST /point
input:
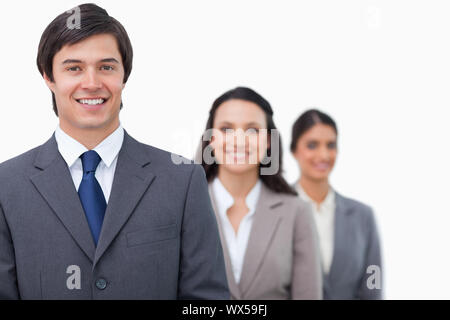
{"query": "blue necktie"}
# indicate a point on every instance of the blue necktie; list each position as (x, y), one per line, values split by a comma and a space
(91, 194)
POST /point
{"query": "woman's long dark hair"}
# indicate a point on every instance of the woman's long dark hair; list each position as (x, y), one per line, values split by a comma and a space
(307, 120)
(274, 182)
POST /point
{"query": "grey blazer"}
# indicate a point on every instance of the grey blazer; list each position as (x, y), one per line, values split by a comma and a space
(356, 247)
(159, 238)
(282, 259)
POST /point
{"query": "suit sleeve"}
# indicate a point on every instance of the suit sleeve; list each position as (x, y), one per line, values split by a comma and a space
(8, 278)
(202, 266)
(370, 287)
(307, 274)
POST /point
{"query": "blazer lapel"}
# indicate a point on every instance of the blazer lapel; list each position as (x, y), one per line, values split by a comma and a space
(131, 179)
(341, 240)
(233, 287)
(55, 184)
(326, 276)
(265, 223)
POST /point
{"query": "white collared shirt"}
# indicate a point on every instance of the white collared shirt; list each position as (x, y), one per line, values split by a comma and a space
(324, 217)
(108, 150)
(236, 242)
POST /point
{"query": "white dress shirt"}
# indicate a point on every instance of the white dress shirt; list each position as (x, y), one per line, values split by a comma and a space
(108, 150)
(324, 217)
(236, 242)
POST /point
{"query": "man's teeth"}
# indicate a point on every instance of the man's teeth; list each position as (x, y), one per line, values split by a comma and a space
(91, 101)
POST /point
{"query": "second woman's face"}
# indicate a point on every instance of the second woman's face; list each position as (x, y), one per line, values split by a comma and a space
(238, 142)
(316, 152)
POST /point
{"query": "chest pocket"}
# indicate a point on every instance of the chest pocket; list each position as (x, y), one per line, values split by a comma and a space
(152, 235)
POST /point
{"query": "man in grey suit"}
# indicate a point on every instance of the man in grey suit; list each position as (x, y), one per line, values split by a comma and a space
(92, 213)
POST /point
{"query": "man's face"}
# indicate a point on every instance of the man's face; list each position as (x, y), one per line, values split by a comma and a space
(88, 83)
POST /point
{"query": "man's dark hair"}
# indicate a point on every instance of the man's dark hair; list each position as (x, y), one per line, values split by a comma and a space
(94, 20)
(307, 120)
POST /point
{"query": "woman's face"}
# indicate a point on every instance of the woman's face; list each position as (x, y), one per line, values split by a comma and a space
(316, 152)
(236, 149)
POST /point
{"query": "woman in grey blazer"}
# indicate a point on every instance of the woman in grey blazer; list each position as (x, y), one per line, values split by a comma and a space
(348, 237)
(268, 235)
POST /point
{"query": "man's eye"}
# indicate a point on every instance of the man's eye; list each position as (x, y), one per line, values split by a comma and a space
(332, 145)
(107, 68)
(74, 69)
(311, 145)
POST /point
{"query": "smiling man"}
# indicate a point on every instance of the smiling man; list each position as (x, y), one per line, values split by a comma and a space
(92, 213)
(87, 81)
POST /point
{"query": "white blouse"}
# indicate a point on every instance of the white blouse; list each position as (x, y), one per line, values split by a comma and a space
(324, 217)
(236, 242)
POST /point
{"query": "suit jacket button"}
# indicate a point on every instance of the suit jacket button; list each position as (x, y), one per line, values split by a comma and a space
(101, 284)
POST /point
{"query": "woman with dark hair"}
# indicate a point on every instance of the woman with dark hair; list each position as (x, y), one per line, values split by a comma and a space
(268, 234)
(348, 237)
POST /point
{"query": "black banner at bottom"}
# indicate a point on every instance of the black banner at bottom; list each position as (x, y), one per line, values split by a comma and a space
(193, 310)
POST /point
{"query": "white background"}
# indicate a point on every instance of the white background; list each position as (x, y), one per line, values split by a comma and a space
(381, 69)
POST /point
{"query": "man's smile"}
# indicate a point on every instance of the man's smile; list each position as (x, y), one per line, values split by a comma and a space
(92, 103)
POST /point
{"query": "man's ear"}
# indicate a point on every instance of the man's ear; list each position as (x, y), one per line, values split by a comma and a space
(50, 84)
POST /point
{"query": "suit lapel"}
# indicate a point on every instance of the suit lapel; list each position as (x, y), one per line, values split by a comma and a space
(132, 178)
(341, 241)
(265, 223)
(55, 184)
(233, 287)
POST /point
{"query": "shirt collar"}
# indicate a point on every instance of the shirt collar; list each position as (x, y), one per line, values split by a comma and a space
(70, 149)
(225, 200)
(327, 203)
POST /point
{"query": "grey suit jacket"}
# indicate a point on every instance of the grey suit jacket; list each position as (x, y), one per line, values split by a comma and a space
(282, 258)
(356, 248)
(159, 238)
